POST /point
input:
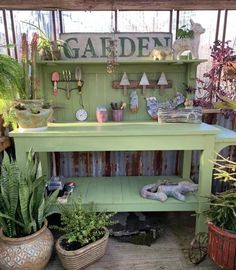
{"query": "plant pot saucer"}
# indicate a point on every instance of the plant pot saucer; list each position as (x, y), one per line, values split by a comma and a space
(32, 129)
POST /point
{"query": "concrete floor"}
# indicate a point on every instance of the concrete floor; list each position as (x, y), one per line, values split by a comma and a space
(169, 252)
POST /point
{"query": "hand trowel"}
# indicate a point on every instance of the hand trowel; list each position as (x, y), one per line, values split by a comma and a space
(55, 79)
(78, 77)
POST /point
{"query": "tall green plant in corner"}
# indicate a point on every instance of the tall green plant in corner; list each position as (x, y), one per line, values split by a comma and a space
(23, 212)
(23, 206)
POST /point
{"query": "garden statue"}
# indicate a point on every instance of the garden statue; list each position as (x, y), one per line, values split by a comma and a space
(161, 191)
(192, 44)
(161, 54)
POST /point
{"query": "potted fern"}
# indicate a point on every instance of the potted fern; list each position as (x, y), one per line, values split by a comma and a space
(222, 217)
(25, 240)
(11, 85)
(85, 235)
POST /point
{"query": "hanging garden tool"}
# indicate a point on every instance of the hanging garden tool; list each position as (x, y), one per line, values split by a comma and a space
(67, 78)
(78, 77)
(55, 79)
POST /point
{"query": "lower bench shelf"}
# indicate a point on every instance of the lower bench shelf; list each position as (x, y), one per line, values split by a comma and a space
(121, 194)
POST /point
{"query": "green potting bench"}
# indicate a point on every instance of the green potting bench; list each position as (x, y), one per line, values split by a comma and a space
(122, 193)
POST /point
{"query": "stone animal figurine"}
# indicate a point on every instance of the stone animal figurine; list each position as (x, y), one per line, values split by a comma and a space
(161, 191)
(161, 54)
(192, 44)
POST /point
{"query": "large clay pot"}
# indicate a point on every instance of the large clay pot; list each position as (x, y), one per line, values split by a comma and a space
(26, 253)
(222, 247)
(81, 258)
(31, 121)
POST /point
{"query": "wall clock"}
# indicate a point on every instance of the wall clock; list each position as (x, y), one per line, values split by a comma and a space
(81, 115)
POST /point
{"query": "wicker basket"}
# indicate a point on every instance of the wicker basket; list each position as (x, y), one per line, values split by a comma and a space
(222, 247)
(81, 258)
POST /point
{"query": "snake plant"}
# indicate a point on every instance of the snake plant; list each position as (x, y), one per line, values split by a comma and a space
(23, 205)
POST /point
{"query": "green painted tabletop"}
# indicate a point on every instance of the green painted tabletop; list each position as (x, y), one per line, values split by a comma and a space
(120, 128)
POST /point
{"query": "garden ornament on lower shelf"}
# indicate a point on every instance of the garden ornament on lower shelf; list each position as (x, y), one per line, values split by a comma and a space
(161, 191)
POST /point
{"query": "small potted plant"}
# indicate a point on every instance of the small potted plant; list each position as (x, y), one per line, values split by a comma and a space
(85, 235)
(32, 116)
(184, 32)
(49, 49)
(25, 240)
(222, 217)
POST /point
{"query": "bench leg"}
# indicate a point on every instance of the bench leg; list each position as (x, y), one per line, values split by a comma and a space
(204, 185)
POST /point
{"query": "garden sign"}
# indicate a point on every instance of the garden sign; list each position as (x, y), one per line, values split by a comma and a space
(130, 46)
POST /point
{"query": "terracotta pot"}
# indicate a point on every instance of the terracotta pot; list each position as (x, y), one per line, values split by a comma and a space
(30, 121)
(26, 253)
(81, 258)
(222, 247)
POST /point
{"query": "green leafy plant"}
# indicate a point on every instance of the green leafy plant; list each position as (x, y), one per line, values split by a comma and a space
(184, 32)
(82, 226)
(23, 205)
(11, 86)
(11, 78)
(48, 49)
(222, 211)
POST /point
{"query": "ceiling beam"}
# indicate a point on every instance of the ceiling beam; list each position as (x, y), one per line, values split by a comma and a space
(91, 5)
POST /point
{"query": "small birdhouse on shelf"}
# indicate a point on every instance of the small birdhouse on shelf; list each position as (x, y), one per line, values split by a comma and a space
(162, 83)
(144, 82)
(125, 82)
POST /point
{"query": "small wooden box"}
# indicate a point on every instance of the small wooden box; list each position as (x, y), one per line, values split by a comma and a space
(185, 115)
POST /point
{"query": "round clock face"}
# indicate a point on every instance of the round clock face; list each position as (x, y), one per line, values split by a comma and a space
(81, 115)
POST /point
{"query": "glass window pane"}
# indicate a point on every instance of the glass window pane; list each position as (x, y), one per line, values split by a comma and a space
(230, 29)
(143, 21)
(40, 19)
(86, 21)
(2, 34)
(207, 38)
